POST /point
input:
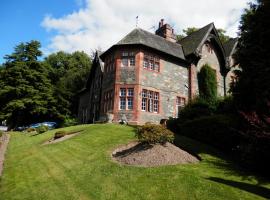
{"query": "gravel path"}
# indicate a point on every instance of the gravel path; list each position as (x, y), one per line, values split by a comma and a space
(3, 147)
(156, 155)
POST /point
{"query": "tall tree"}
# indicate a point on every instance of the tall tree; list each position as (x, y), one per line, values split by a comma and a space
(252, 91)
(26, 91)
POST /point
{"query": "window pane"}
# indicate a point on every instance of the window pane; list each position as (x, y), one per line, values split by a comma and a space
(122, 92)
(144, 104)
(124, 53)
(150, 105)
(122, 103)
(124, 62)
(130, 92)
(156, 67)
(132, 61)
(156, 95)
(130, 103)
(151, 65)
(144, 93)
(145, 64)
(155, 106)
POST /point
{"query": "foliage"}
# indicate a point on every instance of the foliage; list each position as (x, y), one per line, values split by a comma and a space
(42, 129)
(1, 133)
(68, 121)
(252, 91)
(216, 130)
(153, 134)
(59, 134)
(30, 129)
(69, 73)
(32, 90)
(207, 83)
(196, 108)
(26, 91)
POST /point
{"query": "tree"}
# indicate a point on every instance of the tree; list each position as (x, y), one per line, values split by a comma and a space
(207, 83)
(26, 91)
(252, 91)
(69, 73)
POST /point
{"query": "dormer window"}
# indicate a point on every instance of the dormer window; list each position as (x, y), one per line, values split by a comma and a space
(127, 59)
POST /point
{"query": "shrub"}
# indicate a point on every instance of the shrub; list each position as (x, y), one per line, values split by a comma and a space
(30, 129)
(68, 121)
(207, 83)
(216, 130)
(1, 133)
(197, 108)
(153, 134)
(226, 105)
(42, 129)
(60, 134)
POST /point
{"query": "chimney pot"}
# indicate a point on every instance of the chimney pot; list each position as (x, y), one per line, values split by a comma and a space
(162, 22)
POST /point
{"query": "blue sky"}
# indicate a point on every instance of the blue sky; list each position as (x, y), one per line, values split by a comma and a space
(20, 21)
(86, 25)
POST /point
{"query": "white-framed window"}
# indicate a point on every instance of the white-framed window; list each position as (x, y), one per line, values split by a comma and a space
(180, 104)
(122, 103)
(150, 101)
(128, 59)
(151, 65)
(124, 62)
(130, 92)
(145, 63)
(132, 61)
(126, 98)
(151, 62)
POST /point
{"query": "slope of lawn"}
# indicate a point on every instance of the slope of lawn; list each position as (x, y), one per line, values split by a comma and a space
(81, 168)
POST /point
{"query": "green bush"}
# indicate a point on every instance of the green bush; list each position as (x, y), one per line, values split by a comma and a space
(42, 129)
(60, 134)
(153, 134)
(197, 108)
(217, 130)
(30, 129)
(1, 133)
(68, 121)
(207, 83)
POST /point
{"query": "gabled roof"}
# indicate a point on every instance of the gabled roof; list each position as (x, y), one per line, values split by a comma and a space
(229, 46)
(142, 37)
(192, 42)
(97, 63)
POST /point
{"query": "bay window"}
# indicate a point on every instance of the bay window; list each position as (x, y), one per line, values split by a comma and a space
(126, 98)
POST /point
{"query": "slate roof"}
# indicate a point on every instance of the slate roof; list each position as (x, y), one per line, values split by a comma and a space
(142, 37)
(230, 46)
(193, 41)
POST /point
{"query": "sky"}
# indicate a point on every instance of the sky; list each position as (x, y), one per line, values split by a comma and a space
(87, 25)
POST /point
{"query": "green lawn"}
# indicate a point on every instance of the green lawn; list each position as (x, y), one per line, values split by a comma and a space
(81, 168)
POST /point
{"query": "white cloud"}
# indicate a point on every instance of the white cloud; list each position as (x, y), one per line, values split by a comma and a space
(102, 23)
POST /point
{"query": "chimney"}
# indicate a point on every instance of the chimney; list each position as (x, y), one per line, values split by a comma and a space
(166, 31)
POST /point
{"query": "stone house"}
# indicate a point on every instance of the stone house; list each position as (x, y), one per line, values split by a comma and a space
(147, 77)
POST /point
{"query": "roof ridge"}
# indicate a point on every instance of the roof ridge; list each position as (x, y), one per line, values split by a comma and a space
(157, 36)
(212, 23)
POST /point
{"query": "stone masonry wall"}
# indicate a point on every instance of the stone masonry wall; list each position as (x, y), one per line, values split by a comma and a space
(170, 82)
(209, 56)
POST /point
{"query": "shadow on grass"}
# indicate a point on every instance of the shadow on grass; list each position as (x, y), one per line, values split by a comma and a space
(223, 161)
(255, 189)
